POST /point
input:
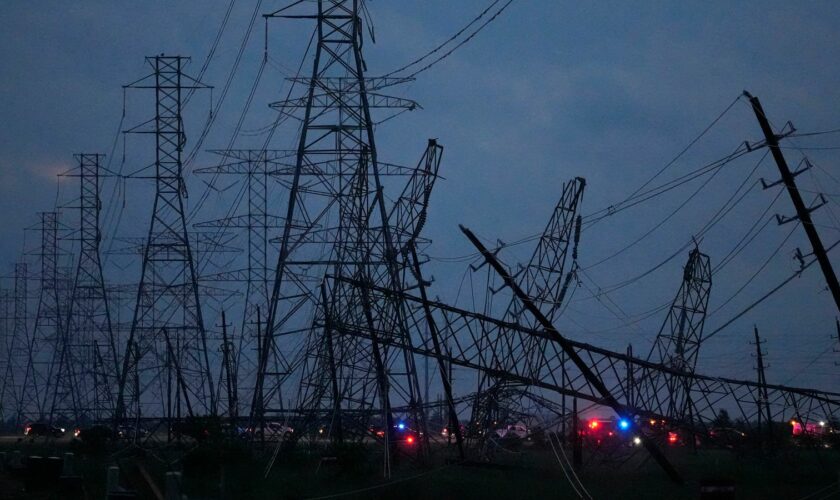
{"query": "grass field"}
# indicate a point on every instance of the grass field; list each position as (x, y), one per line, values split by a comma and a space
(234, 472)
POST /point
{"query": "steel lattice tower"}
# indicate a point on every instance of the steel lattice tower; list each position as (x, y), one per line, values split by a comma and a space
(337, 223)
(339, 381)
(165, 368)
(87, 376)
(546, 280)
(678, 341)
(256, 166)
(17, 344)
(47, 331)
(679, 338)
(6, 339)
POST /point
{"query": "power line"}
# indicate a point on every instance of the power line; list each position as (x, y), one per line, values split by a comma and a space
(758, 271)
(810, 134)
(678, 156)
(766, 295)
(442, 45)
(215, 112)
(659, 224)
(457, 46)
(213, 47)
(722, 212)
(603, 213)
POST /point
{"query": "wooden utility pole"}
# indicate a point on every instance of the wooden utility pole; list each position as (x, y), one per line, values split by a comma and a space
(762, 400)
(803, 213)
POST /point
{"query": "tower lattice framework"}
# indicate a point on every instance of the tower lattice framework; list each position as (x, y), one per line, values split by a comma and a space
(337, 223)
(88, 360)
(165, 369)
(678, 341)
(546, 279)
(256, 166)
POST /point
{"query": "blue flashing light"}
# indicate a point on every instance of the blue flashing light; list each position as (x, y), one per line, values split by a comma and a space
(624, 424)
(401, 426)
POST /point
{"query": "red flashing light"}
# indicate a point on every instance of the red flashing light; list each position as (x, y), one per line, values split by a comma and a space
(410, 439)
(594, 424)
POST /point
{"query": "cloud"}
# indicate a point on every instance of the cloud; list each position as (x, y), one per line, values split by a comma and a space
(51, 171)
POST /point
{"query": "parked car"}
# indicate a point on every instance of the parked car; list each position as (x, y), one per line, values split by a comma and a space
(43, 429)
(273, 431)
(131, 432)
(513, 431)
(405, 435)
(727, 437)
(445, 431)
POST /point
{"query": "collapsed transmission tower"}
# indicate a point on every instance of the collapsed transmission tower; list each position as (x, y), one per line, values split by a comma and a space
(87, 360)
(339, 380)
(165, 369)
(678, 341)
(545, 280)
(337, 223)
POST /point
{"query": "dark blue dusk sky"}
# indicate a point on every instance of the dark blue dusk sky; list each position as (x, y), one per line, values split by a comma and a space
(609, 91)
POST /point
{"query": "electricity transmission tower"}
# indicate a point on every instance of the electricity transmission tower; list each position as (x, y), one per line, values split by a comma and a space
(17, 345)
(48, 328)
(165, 369)
(339, 382)
(546, 281)
(256, 166)
(6, 339)
(87, 368)
(337, 223)
(678, 341)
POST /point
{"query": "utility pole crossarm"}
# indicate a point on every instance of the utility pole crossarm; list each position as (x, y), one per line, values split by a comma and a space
(803, 213)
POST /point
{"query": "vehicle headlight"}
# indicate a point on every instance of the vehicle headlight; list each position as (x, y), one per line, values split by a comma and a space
(62, 429)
